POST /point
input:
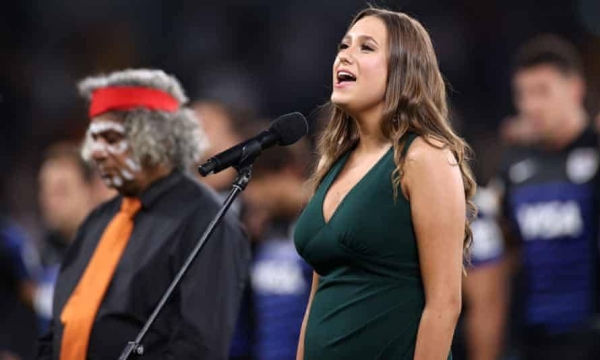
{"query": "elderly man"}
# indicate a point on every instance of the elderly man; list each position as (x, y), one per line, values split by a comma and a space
(142, 139)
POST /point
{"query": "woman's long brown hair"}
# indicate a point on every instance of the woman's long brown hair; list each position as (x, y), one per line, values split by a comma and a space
(415, 101)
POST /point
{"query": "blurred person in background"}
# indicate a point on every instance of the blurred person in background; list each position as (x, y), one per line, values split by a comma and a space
(550, 203)
(69, 188)
(481, 331)
(19, 269)
(486, 290)
(222, 131)
(268, 326)
(280, 279)
(517, 131)
(388, 226)
(143, 140)
(225, 127)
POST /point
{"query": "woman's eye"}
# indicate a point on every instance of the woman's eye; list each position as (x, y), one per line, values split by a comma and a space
(342, 46)
(366, 48)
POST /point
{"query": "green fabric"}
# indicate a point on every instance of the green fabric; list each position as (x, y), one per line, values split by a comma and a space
(370, 295)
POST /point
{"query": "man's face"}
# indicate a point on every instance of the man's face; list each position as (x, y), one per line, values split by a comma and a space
(111, 152)
(545, 97)
(217, 127)
(64, 193)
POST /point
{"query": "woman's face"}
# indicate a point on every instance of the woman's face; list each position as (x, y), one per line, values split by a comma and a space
(360, 68)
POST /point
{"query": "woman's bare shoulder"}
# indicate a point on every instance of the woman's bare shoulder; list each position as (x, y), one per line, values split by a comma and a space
(429, 151)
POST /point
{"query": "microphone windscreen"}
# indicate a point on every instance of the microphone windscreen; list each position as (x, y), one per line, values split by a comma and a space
(290, 128)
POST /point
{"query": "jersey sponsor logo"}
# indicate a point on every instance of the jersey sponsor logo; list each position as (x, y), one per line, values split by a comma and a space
(582, 165)
(278, 277)
(550, 220)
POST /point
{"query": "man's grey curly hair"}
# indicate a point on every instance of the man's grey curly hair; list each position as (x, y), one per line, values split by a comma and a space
(155, 137)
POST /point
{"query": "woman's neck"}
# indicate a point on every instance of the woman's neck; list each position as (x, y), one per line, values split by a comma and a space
(371, 137)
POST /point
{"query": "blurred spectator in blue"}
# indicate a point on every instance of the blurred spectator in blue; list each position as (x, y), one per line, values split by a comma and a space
(485, 290)
(481, 328)
(550, 203)
(69, 188)
(281, 280)
(19, 265)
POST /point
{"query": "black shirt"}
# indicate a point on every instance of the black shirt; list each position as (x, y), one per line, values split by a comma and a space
(198, 320)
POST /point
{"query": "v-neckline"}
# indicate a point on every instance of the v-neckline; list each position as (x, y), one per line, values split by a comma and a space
(336, 173)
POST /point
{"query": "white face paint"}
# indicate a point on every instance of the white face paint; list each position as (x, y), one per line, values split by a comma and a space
(117, 181)
(131, 168)
(118, 148)
(99, 127)
(96, 144)
(114, 181)
(127, 175)
(132, 164)
(115, 149)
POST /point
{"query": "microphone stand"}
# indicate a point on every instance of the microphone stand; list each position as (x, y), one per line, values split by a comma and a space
(244, 169)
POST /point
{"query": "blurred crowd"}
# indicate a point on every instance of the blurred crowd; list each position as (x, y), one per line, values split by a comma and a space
(532, 287)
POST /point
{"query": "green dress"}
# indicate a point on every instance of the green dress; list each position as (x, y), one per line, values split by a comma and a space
(370, 295)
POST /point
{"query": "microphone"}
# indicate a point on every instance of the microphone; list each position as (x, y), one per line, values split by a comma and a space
(285, 130)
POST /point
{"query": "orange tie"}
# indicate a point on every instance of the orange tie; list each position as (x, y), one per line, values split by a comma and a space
(79, 313)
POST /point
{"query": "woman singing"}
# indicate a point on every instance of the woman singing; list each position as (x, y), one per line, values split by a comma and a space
(387, 227)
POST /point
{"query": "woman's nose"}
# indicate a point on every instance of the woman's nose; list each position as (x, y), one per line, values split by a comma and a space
(346, 57)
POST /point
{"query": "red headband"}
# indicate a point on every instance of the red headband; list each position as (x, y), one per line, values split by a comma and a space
(125, 98)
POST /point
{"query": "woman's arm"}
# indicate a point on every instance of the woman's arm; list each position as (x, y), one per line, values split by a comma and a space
(433, 183)
(313, 290)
